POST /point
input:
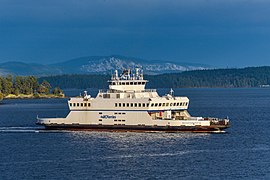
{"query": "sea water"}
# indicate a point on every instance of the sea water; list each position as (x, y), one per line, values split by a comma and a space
(243, 152)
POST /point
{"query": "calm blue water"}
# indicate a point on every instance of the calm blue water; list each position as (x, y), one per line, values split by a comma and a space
(241, 153)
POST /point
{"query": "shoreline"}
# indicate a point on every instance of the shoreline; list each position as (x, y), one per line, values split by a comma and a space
(33, 96)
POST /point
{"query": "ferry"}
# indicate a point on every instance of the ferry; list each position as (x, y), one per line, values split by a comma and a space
(128, 106)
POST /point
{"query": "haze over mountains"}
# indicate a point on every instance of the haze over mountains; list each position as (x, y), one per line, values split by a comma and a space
(96, 65)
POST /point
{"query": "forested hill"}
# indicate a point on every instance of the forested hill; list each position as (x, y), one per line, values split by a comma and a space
(245, 77)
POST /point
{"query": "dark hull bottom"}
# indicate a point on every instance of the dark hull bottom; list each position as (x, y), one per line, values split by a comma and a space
(119, 128)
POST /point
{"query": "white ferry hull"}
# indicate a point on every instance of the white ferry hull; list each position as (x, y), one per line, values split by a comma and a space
(128, 121)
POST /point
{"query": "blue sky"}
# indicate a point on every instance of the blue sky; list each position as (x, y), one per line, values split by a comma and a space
(223, 33)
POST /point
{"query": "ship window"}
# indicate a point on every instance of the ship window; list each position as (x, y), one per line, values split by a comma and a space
(127, 104)
(78, 104)
(115, 120)
(159, 104)
(163, 104)
(131, 83)
(122, 83)
(81, 104)
(135, 83)
(100, 119)
(127, 83)
(177, 104)
(143, 83)
(123, 120)
(152, 105)
(118, 96)
(110, 83)
(74, 104)
(171, 104)
(186, 104)
(106, 95)
(113, 83)
(147, 104)
(180, 104)
(139, 83)
(119, 104)
(70, 104)
(131, 104)
(140, 105)
(100, 113)
(143, 105)
(167, 104)
(156, 104)
(115, 104)
(124, 104)
(174, 104)
(135, 104)
(85, 104)
(89, 104)
(123, 113)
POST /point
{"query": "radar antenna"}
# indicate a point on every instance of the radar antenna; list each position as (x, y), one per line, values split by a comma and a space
(171, 92)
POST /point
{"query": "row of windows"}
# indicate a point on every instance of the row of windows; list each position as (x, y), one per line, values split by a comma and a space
(119, 120)
(116, 120)
(80, 104)
(147, 104)
(131, 105)
(119, 113)
(169, 104)
(127, 83)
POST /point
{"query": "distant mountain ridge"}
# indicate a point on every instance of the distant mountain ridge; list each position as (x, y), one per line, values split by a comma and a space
(212, 78)
(97, 65)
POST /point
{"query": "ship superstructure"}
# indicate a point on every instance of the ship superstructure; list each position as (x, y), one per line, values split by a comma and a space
(128, 106)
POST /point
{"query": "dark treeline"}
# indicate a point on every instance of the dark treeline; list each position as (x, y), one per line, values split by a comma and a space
(26, 85)
(246, 77)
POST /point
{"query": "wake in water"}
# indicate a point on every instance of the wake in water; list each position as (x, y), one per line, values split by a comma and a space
(18, 129)
(27, 130)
